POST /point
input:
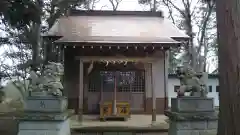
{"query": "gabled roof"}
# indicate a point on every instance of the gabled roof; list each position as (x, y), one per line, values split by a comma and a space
(116, 27)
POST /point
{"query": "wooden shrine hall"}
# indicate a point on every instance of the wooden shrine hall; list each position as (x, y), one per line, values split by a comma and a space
(116, 56)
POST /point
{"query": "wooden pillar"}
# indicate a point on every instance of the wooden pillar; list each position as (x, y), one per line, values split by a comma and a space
(115, 95)
(58, 54)
(101, 92)
(80, 96)
(62, 54)
(153, 97)
(148, 88)
(165, 79)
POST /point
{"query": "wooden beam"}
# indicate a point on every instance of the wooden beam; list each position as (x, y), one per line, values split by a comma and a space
(114, 58)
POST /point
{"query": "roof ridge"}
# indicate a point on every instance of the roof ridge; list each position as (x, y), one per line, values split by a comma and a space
(75, 12)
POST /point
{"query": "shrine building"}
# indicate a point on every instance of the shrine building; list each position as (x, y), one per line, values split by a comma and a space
(119, 56)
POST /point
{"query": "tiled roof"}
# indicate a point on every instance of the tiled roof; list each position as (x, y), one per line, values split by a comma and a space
(119, 28)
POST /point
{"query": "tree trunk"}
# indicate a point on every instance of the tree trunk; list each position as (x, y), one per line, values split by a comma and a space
(36, 46)
(228, 24)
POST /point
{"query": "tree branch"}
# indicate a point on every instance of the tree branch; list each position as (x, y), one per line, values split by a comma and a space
(195, 7)
(170, 11)
(115, 6)
(178, 9)
(204, 26)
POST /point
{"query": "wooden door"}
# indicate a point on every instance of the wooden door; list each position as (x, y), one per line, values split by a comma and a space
(130, 88)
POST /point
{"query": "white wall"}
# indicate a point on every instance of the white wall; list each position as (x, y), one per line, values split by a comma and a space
(158, 78)
(175, 81)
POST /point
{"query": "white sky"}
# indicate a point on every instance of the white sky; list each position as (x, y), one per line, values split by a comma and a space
(132, 5)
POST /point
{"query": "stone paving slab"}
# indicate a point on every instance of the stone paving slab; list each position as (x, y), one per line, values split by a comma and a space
(140, 121)
(124, 134)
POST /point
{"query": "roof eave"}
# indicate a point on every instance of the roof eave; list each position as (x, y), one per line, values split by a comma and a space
(162, 44)
(181, 39)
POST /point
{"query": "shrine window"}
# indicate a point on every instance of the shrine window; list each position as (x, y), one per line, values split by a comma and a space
(94, 84)
(209, 88)
(131, 81)
(107, 81)
(124, 81)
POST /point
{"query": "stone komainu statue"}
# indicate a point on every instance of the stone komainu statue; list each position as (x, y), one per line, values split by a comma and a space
(190, 82)
(49, 80)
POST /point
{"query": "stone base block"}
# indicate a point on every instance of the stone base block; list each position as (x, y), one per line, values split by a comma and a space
(193, 125)
(193, 132)
(117, 133)
(37, 116)
(44, 128)
(45, 104)
(191, 116)
(192, 104)
(39, 94)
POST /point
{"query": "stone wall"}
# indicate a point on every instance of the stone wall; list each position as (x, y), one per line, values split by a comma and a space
(193, 128)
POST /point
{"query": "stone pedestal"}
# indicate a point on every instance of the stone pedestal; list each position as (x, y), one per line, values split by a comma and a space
(45, 104)
(44, 128)
(45, 116)
(192, 116)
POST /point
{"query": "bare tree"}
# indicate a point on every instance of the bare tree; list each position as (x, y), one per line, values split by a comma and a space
(90, 4)
(115, 4)
(153, 4)
(189, 17)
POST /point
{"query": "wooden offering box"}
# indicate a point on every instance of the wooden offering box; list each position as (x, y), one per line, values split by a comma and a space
(106, 110)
